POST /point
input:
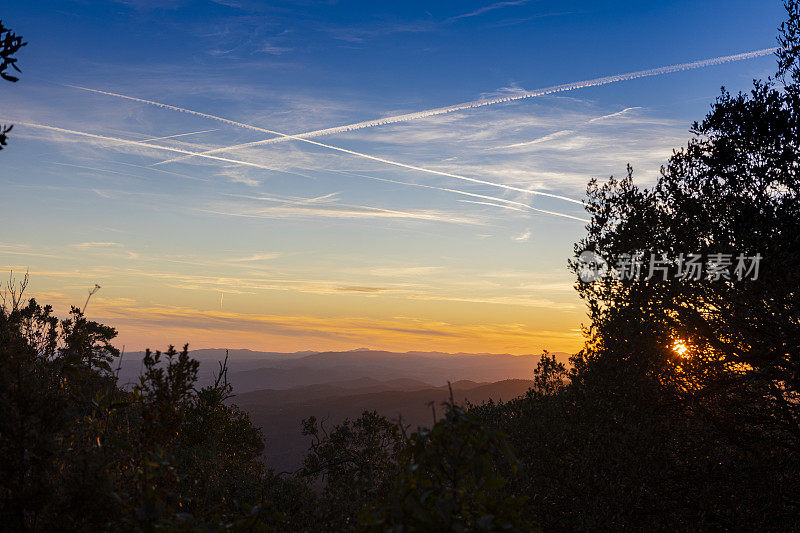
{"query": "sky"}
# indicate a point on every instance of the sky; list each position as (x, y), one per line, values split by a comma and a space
(448, 232)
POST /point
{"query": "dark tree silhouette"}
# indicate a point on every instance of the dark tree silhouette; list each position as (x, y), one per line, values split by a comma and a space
(80, 452)
(734, 190)
(10, 43)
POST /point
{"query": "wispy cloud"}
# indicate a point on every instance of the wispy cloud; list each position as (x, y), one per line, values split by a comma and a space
(22, 250)
(359, 34)
(315, 143)
(492, 204)
(210, 327)
(351, 288)
(151, 4)
(342, 211)
(614, 115)
(405, 271)
(255, 257)
(548, 137)
(90, 245)
(518, 95)
(523, 237)
(273, 49)
(486, 9)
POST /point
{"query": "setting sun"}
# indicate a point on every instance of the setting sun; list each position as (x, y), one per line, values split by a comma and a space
(680, 348)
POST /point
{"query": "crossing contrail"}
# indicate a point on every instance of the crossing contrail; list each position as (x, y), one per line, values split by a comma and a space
(595, 82)
(327, 146)
(464, 193)
(145, 145)
(256, 165)
(178, 135)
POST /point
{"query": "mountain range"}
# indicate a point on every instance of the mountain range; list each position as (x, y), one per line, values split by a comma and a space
(278, 390)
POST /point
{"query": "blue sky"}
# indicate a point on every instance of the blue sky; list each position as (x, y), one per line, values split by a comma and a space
(313, 252)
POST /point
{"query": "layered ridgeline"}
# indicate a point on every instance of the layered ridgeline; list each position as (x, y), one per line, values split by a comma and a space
(414, 404)
(279, 390)
(252, 370)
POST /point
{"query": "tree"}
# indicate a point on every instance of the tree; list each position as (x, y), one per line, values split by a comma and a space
(733, 190)
(53, 386)
(10, 43)
(78, 452)
(681, 411)
(357, 461)
(550, 375)
(453, 477)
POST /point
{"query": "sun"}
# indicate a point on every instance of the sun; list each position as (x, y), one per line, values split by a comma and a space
(680, 348)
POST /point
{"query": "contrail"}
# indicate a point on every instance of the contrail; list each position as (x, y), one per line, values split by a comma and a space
(612, 115)
(145, 145)
(501, 206)
(178, 135)
(256, 165)
(464, 193)
(329, 147)
(595, 82)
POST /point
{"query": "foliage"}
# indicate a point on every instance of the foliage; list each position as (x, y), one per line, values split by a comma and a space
(78, 452)
(550, 375)
(735, 189)
(452, 478)
(10, 44)
(356, 462)
(646, 436)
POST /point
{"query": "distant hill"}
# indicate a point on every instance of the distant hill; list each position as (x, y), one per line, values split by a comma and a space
(279, 412)
(328, 390)
(280, 389)
(434, 368)
(250, 370)
(238, 360)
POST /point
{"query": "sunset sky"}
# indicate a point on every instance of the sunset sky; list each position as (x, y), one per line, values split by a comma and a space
(296, 246)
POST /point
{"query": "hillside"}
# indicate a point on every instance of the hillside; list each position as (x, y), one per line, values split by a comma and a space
(280, 389)
(252, 370)
(279, 412)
